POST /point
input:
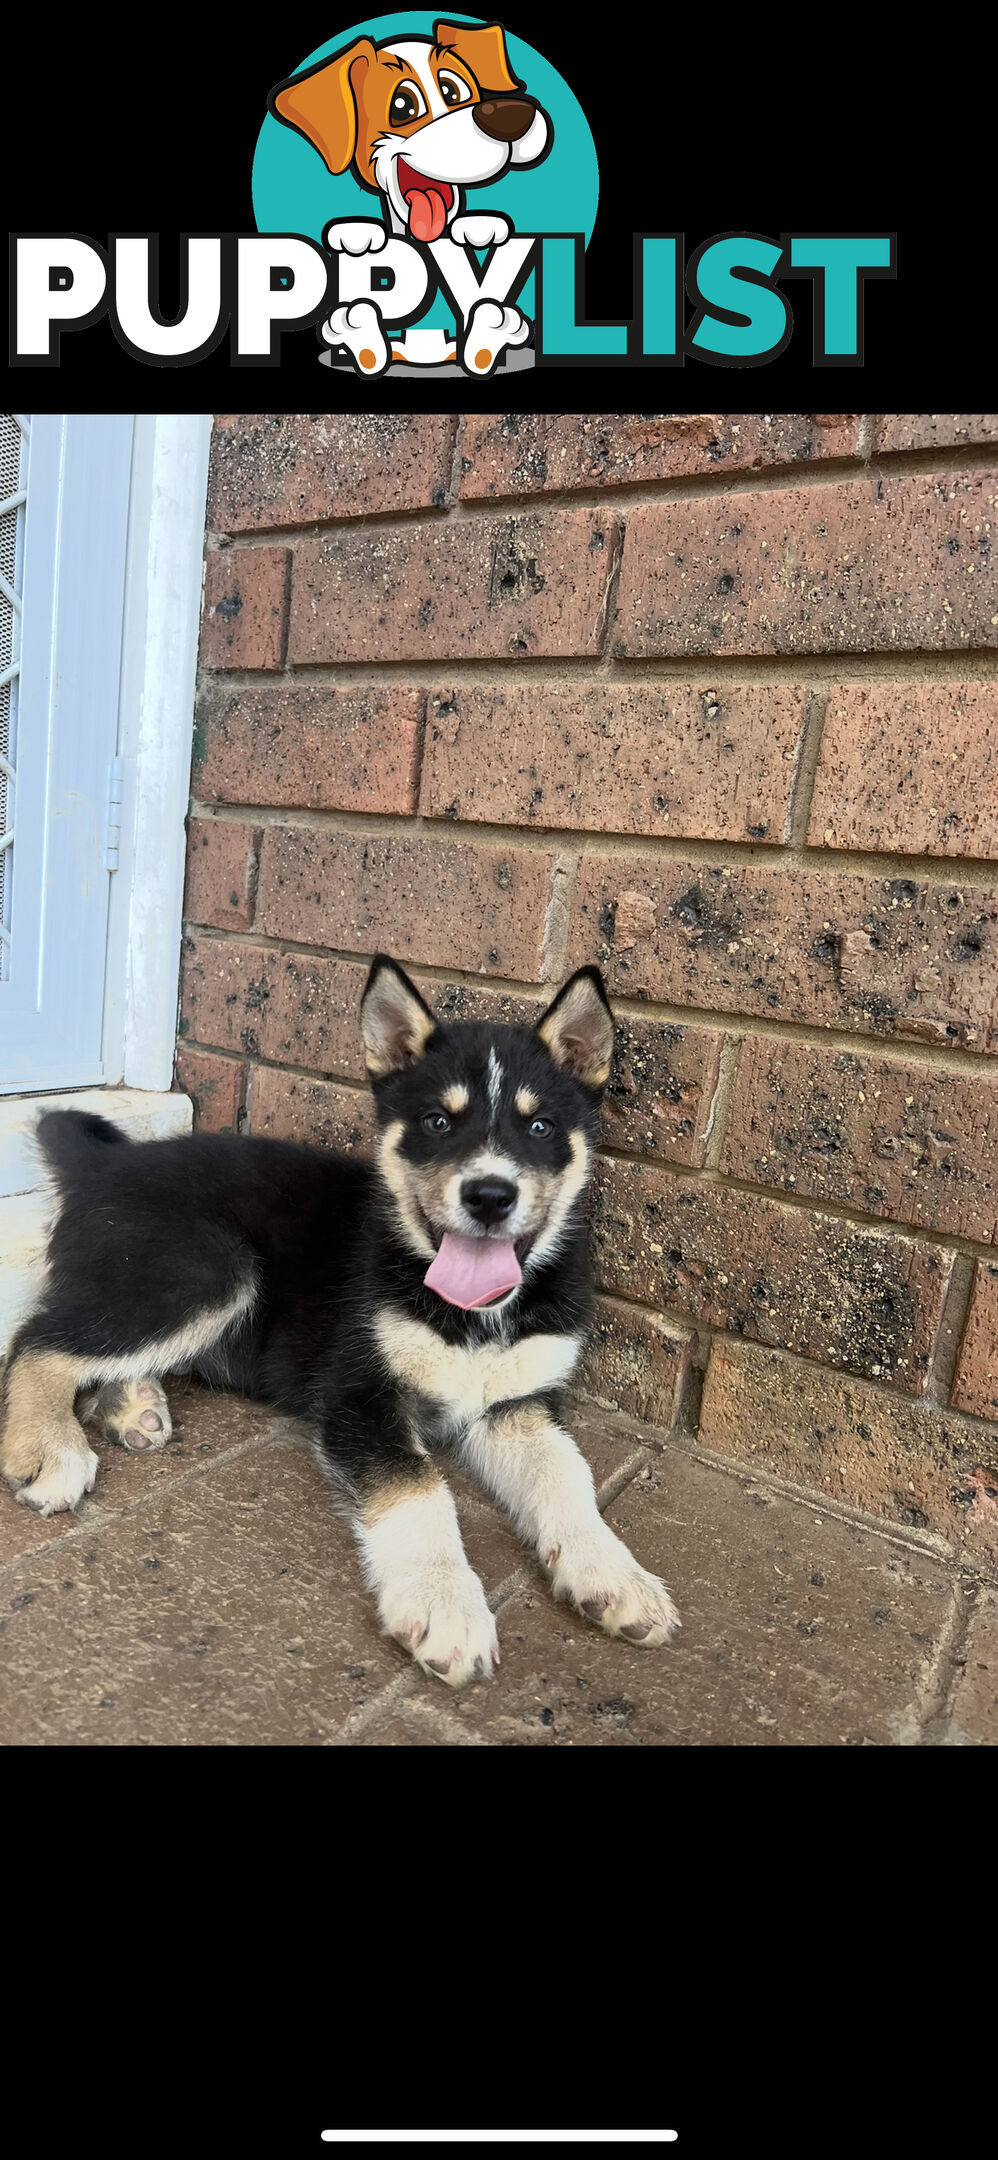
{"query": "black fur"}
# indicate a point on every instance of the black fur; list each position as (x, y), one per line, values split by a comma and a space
(151, 1236)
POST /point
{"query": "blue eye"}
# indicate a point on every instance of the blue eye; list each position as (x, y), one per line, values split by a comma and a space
(435, 1122)
(539, 1126)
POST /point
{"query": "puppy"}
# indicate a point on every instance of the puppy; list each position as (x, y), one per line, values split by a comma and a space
(434, 1300)
(418, 121)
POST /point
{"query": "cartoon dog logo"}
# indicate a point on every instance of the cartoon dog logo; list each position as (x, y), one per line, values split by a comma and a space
(418, 121)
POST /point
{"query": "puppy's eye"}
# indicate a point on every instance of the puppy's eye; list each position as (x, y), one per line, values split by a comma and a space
(435, 1122)
(453, 91)
(539, 1126)
(406, 104)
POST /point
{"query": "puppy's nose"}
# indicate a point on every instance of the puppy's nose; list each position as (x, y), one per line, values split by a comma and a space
(488, 1199)
(505, 118)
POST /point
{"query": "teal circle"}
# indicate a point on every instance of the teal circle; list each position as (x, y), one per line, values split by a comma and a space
(293, 192)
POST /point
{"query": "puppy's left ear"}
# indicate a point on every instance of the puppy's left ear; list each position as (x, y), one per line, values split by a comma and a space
(395, 1022)
(577, 1029)
(483, 50)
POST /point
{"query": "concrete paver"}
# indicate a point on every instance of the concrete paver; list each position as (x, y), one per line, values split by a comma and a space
(212, 1596)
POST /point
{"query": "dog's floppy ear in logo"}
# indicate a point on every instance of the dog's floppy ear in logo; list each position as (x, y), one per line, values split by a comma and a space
(321, 105)
(483, 51)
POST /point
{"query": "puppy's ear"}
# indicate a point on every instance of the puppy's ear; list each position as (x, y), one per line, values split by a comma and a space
(322, 103)
(483, 50)
(395, 1022)
(578, 1028)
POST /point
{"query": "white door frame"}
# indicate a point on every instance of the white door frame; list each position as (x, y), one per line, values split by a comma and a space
(163, 586)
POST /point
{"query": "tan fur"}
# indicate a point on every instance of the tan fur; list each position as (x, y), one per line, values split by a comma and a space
(578, 1031)
(464, 1381)
(38, 1416)
(399, 1180)
(394, 1025)
(527, 1102)
(456, 1098)
(420, 1486)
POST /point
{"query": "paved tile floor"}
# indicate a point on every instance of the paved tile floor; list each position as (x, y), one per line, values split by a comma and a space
(210, 1596)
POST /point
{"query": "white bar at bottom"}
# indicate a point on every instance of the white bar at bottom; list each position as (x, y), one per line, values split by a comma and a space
(500, 2137)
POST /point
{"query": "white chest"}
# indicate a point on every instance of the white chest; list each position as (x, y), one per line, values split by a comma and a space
(464, 1382)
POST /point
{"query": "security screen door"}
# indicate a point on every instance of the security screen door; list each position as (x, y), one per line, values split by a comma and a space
(64, 501)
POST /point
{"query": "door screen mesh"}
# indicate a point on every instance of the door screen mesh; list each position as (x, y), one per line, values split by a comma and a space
(13, 439)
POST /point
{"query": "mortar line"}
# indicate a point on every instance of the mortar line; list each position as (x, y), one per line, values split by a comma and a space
(791, 473)
(910, 664)
(949, 1333)
(924, 1722)
(866, 435)
(806, 767)
(698, 852)
(893, 1049)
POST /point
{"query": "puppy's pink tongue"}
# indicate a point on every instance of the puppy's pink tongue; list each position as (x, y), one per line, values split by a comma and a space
(471, 1271)
(427, 216)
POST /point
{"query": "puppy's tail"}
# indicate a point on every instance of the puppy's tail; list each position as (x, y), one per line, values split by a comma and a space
(71, 1139)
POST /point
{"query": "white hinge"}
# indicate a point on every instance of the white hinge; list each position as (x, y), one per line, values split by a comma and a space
(115, 791)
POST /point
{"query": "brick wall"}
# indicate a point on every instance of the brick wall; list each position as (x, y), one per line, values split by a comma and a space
(713, 701)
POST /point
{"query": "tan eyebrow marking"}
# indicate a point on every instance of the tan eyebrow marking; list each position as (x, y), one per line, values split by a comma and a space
(527, 1102)
(456, 1098)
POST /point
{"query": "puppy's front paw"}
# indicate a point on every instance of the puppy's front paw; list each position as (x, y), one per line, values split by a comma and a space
(357, 327)
(355, 236)
(132, 1413)
(442, 1619)
(606, 1583)
(486, 229)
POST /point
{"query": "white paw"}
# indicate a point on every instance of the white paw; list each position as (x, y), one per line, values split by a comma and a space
(488, 230)
(357, 325)
(355, 236)
(133, 1413)
(440, 1616)
(491, 327)
(66, 1474)
(604, 1580)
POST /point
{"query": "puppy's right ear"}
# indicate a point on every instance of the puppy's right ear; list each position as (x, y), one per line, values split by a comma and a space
(395, 1022)
(322, 103)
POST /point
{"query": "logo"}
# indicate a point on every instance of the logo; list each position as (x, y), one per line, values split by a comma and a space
(424, 193)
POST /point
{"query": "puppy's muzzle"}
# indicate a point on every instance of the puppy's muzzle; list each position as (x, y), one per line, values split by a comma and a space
(504, 119)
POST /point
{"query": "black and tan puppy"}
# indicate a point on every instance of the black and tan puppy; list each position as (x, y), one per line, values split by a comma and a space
(436, 1298)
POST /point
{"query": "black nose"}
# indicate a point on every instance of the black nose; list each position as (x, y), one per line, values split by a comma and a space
(504, 118)
(488, 1199)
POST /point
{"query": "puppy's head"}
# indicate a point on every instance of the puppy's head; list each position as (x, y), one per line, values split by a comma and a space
(487, 1133)
(417, 118)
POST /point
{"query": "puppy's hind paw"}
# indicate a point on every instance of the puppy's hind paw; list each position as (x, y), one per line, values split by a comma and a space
(357, 327)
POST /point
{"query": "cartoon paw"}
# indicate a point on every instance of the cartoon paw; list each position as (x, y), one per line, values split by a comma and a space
(355, 236)
(357, 326)
(491, 328)
(481, 232)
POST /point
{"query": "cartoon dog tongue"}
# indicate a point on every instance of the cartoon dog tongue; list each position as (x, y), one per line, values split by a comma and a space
(471, 1271)
(427, 214)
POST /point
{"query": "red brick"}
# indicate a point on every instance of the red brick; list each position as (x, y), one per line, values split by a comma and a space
(687, 763)
(917, 1143)
(320, 1113)
(894, 956)
(909, 768)
(292, 1008)
(245, 608)
(662, 1088)
(523, 453)
(935, 431)
(853, 1297)
(221, 873)
(635, 1361)
(889, 565)
(215, 1086)
(302, 747)
(914, 1465)
(445, 903)
(531, 584)
(297, 468)
(975, 1386)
